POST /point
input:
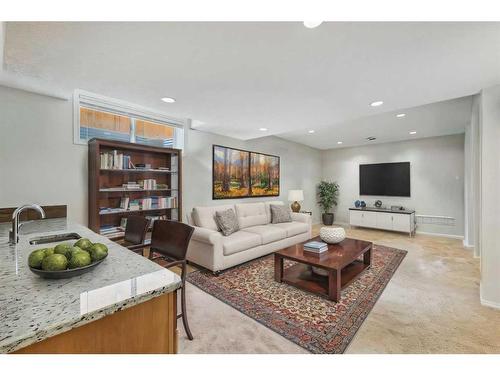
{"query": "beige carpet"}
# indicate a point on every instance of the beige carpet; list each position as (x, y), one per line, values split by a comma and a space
(431, 305)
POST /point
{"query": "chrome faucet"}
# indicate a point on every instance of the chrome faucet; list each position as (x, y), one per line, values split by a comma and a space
(16, 225)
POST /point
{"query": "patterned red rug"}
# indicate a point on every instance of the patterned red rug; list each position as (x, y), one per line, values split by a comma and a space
(311, 321)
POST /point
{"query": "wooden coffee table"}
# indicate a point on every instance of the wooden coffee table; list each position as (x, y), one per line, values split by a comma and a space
(341, 261)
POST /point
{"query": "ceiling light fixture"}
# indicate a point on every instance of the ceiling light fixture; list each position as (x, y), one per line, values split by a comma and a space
(370, 138)
(312, 24)
(401, 115)
(168, 100)
(311, 131)
(339, 142)
(263, 129)
(413, 132)
(377, 103)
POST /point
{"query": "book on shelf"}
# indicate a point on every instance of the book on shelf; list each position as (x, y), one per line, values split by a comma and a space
(116, 160)
(124, 202)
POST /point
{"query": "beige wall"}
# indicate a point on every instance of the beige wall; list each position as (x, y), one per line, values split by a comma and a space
(489, 226)
(437, 177)
(39, 162)
(300, 168)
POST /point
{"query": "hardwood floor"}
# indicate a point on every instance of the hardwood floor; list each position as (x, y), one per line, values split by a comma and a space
(431, 305)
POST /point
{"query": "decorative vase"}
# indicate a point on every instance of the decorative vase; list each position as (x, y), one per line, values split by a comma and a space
(357, 204)
(332, 235)
(327, 218)
(363, 204)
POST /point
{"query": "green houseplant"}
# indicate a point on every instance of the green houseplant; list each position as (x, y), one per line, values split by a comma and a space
(328, 193)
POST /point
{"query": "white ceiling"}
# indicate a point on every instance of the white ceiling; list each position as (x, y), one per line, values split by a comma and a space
(430, 120)
(238, 77)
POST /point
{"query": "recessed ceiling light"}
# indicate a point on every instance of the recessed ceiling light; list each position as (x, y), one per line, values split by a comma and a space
(168, 100)
(312, 24)
(339, 142)
(263, 129)
(400, 115)
(413, 132)
(377, 103)
(311, 131)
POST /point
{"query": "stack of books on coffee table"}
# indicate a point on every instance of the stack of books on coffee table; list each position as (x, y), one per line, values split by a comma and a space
(315, 247)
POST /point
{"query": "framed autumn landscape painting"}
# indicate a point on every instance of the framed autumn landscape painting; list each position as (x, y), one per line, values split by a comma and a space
(244, 174)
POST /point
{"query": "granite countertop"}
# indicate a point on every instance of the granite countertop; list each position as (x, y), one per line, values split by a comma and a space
(382, 209)
(33, 309)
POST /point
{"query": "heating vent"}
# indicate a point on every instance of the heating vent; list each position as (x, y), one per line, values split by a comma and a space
(435, 220)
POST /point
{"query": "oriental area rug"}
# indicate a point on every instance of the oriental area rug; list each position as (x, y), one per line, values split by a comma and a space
(311, 321)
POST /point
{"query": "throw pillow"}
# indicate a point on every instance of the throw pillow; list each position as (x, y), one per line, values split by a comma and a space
(226, 221)
(280, 214)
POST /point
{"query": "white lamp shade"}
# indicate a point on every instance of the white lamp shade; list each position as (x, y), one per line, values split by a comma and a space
(295, 195)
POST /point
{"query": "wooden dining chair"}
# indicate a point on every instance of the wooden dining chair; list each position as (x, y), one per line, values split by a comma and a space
(169, 241)
(135, 233)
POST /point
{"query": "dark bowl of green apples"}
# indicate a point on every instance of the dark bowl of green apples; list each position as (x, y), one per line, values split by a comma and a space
(67, 260)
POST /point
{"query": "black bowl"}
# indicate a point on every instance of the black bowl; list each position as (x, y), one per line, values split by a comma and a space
(64, 274)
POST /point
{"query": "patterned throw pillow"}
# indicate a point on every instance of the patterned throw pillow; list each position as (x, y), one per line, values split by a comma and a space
(226, 221)
(280, 214)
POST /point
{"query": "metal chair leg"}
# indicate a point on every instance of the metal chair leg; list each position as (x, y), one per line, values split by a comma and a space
(184, 316)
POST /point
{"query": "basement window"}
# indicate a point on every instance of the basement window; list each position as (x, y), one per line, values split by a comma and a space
(96, 116)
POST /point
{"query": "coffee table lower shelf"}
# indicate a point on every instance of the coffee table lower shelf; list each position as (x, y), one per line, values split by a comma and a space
(301, 276)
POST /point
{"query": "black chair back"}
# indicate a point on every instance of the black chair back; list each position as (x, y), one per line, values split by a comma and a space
(171, 238)
(136, 229)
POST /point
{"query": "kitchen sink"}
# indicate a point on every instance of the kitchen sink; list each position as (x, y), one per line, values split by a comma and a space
(55, 238)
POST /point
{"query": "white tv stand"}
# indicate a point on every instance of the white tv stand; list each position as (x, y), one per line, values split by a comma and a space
(382, 218)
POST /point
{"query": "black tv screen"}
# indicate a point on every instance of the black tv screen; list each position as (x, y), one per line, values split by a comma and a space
(385, 179)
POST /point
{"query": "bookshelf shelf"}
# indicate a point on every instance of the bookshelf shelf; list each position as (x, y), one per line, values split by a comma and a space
(113, 190)
(137, 171)
(105, 184)
(128, 212)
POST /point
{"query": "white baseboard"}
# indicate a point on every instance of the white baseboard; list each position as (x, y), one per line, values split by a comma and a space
(457, 237)
(467, 246)
(494, 305)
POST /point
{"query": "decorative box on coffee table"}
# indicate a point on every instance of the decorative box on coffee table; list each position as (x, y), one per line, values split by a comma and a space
(343, 262)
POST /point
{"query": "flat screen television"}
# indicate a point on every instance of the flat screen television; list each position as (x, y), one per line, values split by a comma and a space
(385, 179)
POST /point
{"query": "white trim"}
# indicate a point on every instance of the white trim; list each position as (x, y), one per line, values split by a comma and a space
(454, 236)
(466, 245)
(494, 305)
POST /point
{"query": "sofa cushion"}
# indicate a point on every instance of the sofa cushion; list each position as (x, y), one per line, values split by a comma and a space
(268, 208)
(240, 241)
(226, 221)
(204, 216)
(280, 214)
(251, 214)
(268, 233)
(293, 228)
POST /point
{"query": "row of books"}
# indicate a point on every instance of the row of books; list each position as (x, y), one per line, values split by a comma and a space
(116, 160)
(316, 247)
(148, 203)
(149, 184)
(112, 231)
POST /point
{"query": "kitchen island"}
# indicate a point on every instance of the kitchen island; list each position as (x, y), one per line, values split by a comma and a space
(127, 304)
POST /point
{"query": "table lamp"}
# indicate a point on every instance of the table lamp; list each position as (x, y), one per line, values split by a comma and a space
(296, 196)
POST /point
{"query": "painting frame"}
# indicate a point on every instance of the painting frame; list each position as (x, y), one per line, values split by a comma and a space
(216, 183)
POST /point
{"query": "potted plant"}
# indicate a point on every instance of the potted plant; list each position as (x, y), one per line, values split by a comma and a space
(328, 193)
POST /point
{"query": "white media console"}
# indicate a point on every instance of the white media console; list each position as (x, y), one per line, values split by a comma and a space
(381, 218)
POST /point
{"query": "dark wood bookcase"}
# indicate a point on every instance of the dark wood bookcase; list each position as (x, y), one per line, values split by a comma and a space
(105, 185)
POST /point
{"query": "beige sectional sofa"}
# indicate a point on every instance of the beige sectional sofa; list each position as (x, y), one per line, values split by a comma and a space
(256, 237)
